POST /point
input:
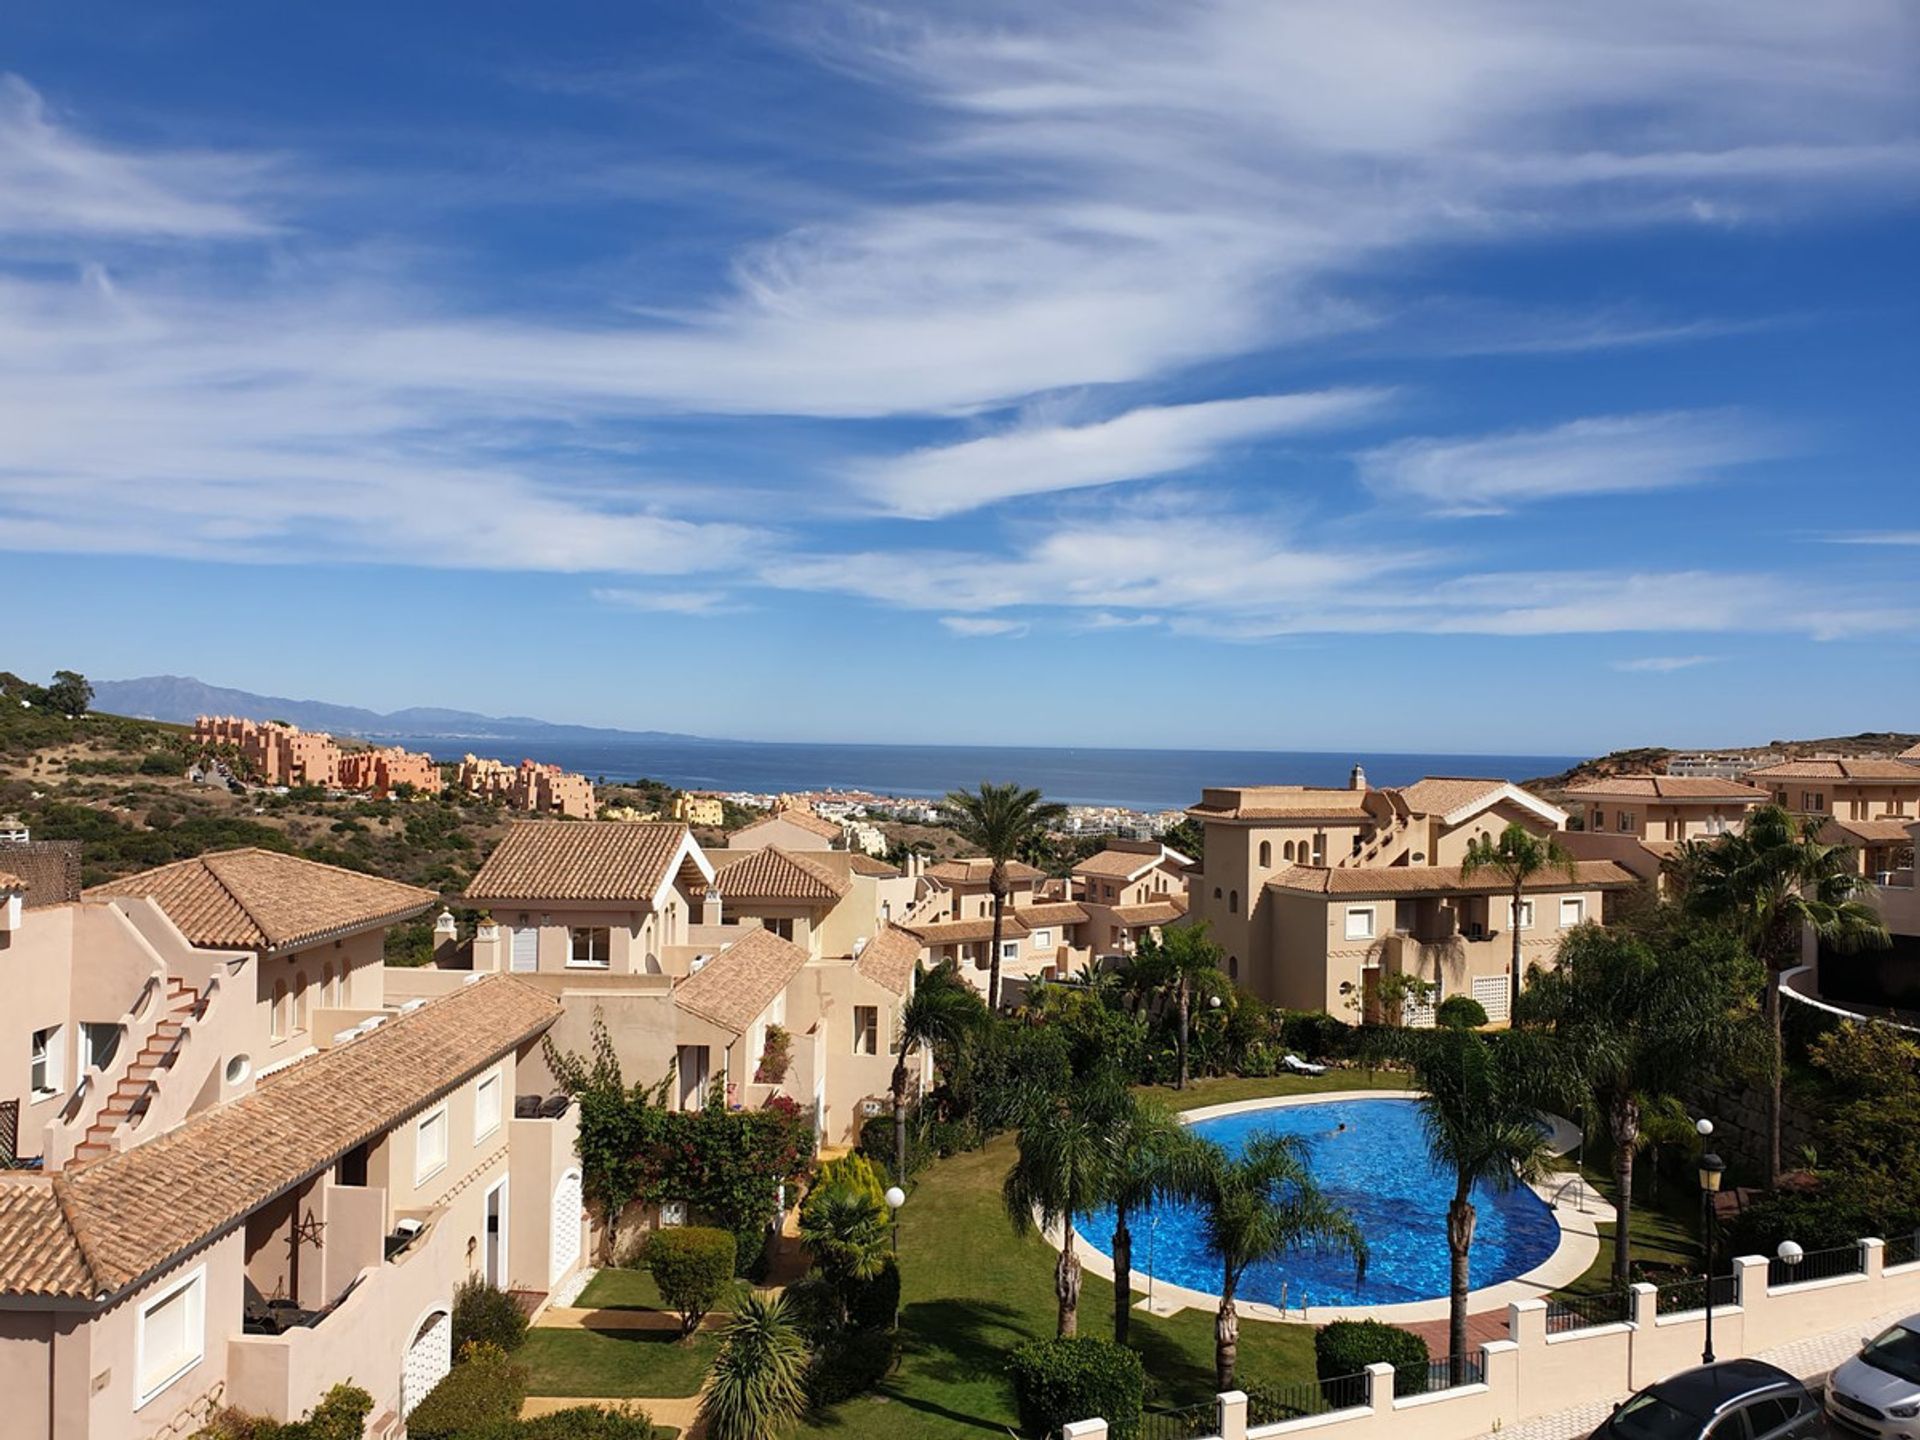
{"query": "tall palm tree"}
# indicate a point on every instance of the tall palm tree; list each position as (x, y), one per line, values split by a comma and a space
(758, 1385)
(1259, 1207)
(1517, 856)
(1060, 1170)
(1151, 1157)
(1775, 881)
(1632, 1023)
(942, 1009)
(1479, 1104)
(1186, 963)
(999, 821)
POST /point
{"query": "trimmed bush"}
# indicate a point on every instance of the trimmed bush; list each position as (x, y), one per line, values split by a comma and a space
(1059, 1381)
(1460, 1012)
(484, 1314)
(1316, 1034)
(849, 1365)
(693, 1266)
(340, 1415)
(483, 1388)
(576, 1422)
(873, 1303)
(1347, 1347)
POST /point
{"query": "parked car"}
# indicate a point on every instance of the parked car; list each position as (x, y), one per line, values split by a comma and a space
(1730, 1400)
(1877, 1393)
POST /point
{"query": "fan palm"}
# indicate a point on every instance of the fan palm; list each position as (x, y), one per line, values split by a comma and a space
(942, 1009)
(1186, 963)
(1259, 1207)
(758, 1384)
(999, 821)
(1062, 1158)
(1479, 1106)
(1517, 856)
(1151, 1157)
(1775, 881)
(844, 1229)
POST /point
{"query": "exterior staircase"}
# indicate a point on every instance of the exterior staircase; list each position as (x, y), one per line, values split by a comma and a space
(134, 1090)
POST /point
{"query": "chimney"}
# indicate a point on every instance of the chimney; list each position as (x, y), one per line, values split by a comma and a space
(710, 908)
(1357, 780)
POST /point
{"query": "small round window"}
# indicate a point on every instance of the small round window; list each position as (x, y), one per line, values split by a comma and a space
(238, 1069)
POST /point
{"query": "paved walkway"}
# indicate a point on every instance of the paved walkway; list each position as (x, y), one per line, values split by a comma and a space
(1810, 1357)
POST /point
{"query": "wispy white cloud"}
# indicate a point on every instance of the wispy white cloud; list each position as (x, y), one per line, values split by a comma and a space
(981, 627)
(1108, 620)
(672, 602)
(1602, 456)
(1663, 664)
(1877, 537)
(1150, 441)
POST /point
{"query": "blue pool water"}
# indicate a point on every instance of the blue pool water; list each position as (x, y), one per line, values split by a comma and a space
(1378, 1168)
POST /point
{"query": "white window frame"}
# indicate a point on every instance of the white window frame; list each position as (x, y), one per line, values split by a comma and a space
(860, 1031)
(194, 1281)
(51, 1061)
(1520, 917)
(1365, 931)
(482, 1128)
(421, 1172)
(1009, 950)
(573, 934)
(1043, 939)
(1579, 905)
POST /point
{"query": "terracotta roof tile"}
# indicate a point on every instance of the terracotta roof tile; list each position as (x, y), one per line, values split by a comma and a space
(862, 863)
(1280, 802)
(1668, 787)
(1444, 794)
(817, 824)
(261, 899)
(975, 870)
(1055, 912)
(128, 1214)
(615, 860)
(734, 986)
(1865, 769)
(1117, 864)
(1430, 879)
(1893, 831)
(889, 958)
(952, 932)
(1912, 753)
(776, 874)
(1152, 912)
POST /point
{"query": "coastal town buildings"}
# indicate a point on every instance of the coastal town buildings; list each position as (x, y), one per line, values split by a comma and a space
(790, 827)
(278, 754)
(251, 1172)
(1130, 890)
(383, 771)
(529, 786)
(692, 809)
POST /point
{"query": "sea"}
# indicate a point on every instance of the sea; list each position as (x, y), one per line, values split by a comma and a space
(1145, 780)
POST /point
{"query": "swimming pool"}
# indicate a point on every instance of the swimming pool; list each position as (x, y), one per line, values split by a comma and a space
(1378, 1168)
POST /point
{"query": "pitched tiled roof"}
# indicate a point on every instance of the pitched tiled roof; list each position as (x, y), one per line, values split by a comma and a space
(261, 899)
(952, 932)
(1867, 769)
(976, 870)
(776, 874)
(889, 958)
(1894, 831)
(126, 1215)
(1280, 802)
(1911, 754)
(1444, 794)
(1116, 864)
(1055, 912)
(862, 863)
(1668, 787)
(734, 986)
(1431, 879)
(619, 860)
(805, 819)
(1152, 912)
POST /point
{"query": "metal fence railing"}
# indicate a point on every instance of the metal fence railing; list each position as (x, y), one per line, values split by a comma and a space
(1901, 1249)
(1447, 1373)
(1270, 1404)
(1566, 1313)
(1678, 1296)
(1190, 1422)
(1816, 1265)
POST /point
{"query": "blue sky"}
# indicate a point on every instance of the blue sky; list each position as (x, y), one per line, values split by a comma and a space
(1240, 373)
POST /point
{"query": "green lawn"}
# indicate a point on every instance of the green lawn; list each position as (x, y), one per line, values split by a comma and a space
(621, 1290)
(1666, 1230)
(614, 1363)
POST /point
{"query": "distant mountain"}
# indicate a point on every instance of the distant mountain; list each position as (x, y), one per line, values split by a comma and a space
(180, 698)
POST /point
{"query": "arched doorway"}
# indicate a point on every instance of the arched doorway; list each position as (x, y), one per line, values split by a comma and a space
(429, 1358)
(565, 1249)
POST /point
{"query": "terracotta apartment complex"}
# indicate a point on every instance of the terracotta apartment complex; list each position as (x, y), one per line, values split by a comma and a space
(527, 786)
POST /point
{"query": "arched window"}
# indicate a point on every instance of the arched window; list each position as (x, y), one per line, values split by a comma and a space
(1216, 892)
(1233, 902)
(1266, 852)
(277, 1016)
(1233, 967)
(299, 1003)
(1286, 850)
(326, 984)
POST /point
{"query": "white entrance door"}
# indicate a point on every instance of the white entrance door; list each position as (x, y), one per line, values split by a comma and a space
(496, 1258)
(566, 1226)
(693, 1076)
(526, 949)
(429, 1358)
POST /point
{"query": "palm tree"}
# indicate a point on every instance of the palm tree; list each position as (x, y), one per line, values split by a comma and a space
(1775, 881)
(942, 1009)
(1186, 962)
(1060, 1171)
(999, 821)
(1517, 856)
(1151, 1157)
(758, 1384)
(1480, 1107)
(1632, 1024)
(1259, 1207)
(844, 1229)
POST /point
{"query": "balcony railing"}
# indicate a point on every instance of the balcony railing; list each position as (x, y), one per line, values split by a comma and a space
(1817, 1265)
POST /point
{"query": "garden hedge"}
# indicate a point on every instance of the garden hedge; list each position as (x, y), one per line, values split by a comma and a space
(693, 1266)
(483, 1388)
(1461, 1012)
(1347, 1347)
(1078, 1378)
(484, 1314)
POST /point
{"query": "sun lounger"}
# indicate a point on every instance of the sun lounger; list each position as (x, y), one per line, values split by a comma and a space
(1302, 1067)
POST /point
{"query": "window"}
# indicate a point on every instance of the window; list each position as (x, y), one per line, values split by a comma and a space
(1626, 822)
(1009, 950)
(1286, 852)
(99, 1039)
(866, 1030)
(430, 1144)
(277, 1014)
(1812, 800)
(590, 947)
(1522, 918)
(1043, 939)
(1599, 818)
(299, 1004)
(486, 1106)
(1233, 902)
(1266, 852)
(1572, 911)
(45, 1067)
(1360, 922)
(1216, 892)
(172, 1334)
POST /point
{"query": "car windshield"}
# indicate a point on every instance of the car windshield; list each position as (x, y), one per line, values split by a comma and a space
(1648, 1417)
(1896, 1351)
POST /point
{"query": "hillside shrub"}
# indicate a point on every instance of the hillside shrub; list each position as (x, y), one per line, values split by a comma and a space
(1076, 1378)
(1347, 1347)
(872, 1304)
(485, 1314)
(340, 1415)
(576, 1422)
(1316, 1034)
(1460, 1012)
(693, 1267)
(483, 1388)
(849, 1364)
